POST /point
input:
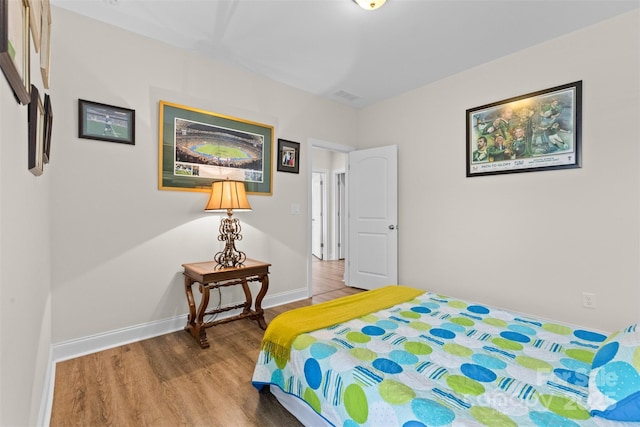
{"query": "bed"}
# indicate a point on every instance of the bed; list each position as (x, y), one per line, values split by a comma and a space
(399, 356)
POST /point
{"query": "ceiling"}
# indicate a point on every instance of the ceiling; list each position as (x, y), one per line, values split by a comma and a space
(334, 49)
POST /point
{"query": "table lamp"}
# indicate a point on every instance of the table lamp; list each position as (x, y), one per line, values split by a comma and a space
(228, 196)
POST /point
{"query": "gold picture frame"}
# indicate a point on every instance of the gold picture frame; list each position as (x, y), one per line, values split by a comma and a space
(15, 48)
(197, 147)
(35, 18)
(45, 43)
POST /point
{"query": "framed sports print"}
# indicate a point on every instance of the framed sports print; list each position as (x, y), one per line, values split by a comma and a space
(106, 122)
(197, 147)
(533, 132)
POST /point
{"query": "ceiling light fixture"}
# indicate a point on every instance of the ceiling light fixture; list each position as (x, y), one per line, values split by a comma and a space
(370, 4)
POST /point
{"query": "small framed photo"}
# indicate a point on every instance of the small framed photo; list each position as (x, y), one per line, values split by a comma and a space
(48, 125)
(36, 133)
(106, 122)
(288, 156)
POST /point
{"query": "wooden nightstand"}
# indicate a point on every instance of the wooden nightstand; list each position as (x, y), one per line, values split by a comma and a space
(209, 277)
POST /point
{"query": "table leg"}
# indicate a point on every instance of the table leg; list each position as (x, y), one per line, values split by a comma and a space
(264, 281)
(200, 332)
(247, 297)
(191, 318)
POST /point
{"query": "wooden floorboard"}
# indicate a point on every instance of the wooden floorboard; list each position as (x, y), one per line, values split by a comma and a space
(327, 276)
(170, 381)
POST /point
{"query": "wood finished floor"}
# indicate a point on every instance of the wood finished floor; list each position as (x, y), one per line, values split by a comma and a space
(327, 276)
(170, 381)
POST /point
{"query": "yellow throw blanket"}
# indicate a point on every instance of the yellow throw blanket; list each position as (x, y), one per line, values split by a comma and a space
(283, 330)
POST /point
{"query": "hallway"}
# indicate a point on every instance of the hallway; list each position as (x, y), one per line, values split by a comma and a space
(327, 277)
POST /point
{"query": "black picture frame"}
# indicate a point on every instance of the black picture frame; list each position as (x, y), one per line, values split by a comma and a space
(105, 122)
(288, 159)
(36, 133)
(48, 126)
(538, 131)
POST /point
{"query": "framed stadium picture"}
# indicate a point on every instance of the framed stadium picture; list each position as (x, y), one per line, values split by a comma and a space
(197, 147)
(106, 122)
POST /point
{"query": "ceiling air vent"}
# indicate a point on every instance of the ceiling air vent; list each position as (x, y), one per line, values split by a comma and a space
(346, 95)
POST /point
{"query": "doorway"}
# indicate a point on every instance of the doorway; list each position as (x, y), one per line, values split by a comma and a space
(328, 228)
(369, 246)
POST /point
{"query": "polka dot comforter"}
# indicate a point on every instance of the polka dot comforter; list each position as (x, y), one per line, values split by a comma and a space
(439, 361)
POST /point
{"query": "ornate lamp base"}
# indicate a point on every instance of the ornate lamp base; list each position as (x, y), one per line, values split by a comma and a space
(229, 233)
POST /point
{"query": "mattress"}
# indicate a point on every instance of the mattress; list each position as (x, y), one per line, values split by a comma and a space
(440, 361)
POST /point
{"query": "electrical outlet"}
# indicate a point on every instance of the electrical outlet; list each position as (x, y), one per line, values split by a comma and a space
(589, 300)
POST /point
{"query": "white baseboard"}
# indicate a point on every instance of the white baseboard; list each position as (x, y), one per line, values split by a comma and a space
(46, 402)
(94, 343)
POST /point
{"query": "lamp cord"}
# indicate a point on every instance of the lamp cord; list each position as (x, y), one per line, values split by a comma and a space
(214, 316)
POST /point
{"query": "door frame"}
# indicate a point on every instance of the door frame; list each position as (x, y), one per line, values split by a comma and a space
(324, 248)
(340, 203)
(327, 145)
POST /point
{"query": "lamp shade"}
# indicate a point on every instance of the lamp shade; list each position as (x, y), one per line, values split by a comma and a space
(226, 195)
(370, 4)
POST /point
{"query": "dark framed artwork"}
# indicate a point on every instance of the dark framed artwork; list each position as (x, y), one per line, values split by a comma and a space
(106, 122)
(48, 126)
(533, 132)
(288, 156)
(36, 133)
(197, 147)
(15, 47)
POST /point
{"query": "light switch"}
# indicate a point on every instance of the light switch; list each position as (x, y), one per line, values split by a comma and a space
(295, 209)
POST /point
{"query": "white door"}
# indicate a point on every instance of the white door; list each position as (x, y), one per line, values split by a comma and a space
(372, 189)
(317, 215)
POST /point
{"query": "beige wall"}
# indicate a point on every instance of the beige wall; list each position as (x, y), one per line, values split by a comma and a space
(93, 246)
(531, 242)
(120, 241)
(25, 265)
